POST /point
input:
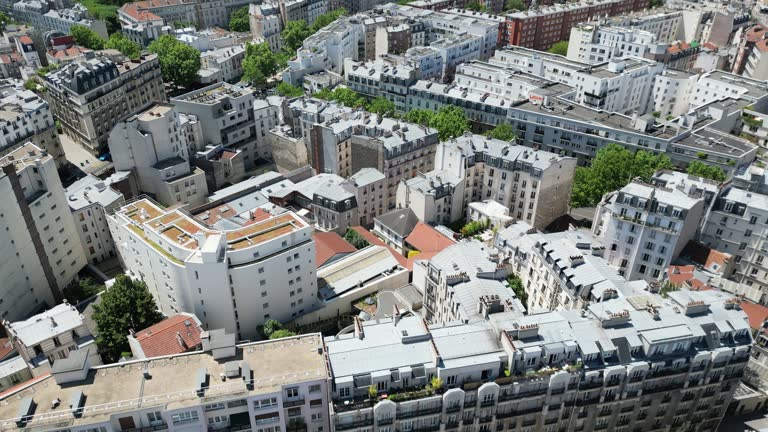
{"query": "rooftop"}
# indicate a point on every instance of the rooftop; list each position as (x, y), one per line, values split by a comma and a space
(329, 245)
(60, 319)
(400, 221)
(427, 239)
(174, 335)
(91, 190)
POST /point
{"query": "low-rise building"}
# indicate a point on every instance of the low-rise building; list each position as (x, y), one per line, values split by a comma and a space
(139, 25)
(43, 18)
(90, 97)
(228, 61)
(172, 336)
(153, 145)
(222, 166)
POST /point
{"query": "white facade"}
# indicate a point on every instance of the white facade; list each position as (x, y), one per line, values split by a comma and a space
(593, 43)
(227, 60)
(232, 278)
(90, 199)
(42, 18)
(41, 253)
(153, 145)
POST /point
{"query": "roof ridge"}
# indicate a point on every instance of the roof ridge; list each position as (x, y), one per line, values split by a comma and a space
(162, 326)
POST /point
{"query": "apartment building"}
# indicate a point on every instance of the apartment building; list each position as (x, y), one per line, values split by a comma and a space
(593, 43)
(26, 47)
(186, 259)
(139, 25)
(90, 97)
(533, 184)
(465, 283)
(267, 115)
(225, 114)
(153, 146)
(202, 14)
(41, 253)
(227, 62)
(384, 77)
(228, 386)
(90, 200)
(645, 227)
(24, 117)
(541, 28)
(737, 225)
(618, 365)
(431, 196)
(50, 336)
(752, 56)
(222, 166)
(44, 18)
(266, 24)
(672, 90)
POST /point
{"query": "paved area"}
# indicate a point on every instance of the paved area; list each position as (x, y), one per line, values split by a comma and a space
(406, 298)
(82, 159)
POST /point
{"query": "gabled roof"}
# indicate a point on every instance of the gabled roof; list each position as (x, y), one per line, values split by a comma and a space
(427, 239)
(329, 245)
(400, 221)
(164, 337)
(756, 313)
(372, 239)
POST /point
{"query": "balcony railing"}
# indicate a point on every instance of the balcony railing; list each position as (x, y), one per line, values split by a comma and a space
(293, 402)
(355, 424)
(420, 412)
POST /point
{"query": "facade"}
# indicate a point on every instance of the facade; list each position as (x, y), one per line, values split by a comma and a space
(228, 61)
(258, 390)
(139, 25)
(41, 252)
(53, 335)
(533, 184)
(593, 43)
(185, 260)
(90, 97)
(431, 196)
(568, 370)
(174, 335)
(90, 200)
(153, 145)
(42, 18)
(222, 166)
(752, 57)
(644, 227)
(25, 116)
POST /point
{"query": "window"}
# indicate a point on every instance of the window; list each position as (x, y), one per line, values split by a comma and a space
(344, 392)
(292, 392)
(314, 388)
(155, 418)
(185, 417)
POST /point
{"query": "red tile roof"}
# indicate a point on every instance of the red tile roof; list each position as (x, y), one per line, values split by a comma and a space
(133, 11)
(756, 313)
(258, 215)
(162, 338)
(683, 276)
(372, 239)
(427, 239)
(26, 40)
(328, 245)
(712, 260)
(6, 347)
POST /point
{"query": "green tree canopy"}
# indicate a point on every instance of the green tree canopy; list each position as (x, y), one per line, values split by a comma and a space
(82, 289)
(259, 63)
(294, 34)
(179, 62)
(515, 5)
(420, 116)
(5, 19)
(475, 6)
(277, 334)
(355, 239)
(560, 48)
(342, 95)
(270, 326)
(238, 20)
(325, 94)
(450, 121)
(126, 306)
(287, 90)
(502, 132)
(126, 46)
(613, 168)
(327, 18)
(86, 37)
(516, 285)
(702, 169)
(382, 106)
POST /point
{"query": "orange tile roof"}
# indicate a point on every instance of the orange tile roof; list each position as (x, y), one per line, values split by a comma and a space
(132, 10)
(756, 313)
(26, 40)
(683, 276)
(372, 239)
(427, 239)
(328, 245)
(711, 259)
(6, 347)
(163, 338)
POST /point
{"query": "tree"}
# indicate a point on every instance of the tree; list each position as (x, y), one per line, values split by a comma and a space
(372, 392)
(420, 116)
(613, 168)
(126, 46)
(327, 18)
(516, 5)
(701, 169)
(325, 94)
(436, 383)
(270, 326)
(82, 289)
(86, 37)
(382, 106)
(282, 333)
(5, 20)
(179, 62)
(450, 122)
(657, 3)
(126, 306)
(113, 24)
(348, 97)
(516, 285)
(294, 34)
(502, 132)
(259, 63)
(287, 90)
(560, 48)
(355, 239)
(238, 21)
(475, 6)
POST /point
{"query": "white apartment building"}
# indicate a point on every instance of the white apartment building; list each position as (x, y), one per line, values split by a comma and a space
(24, 116)
(738, 225)
(644, 227)
(533, 184)
(90, 97)
(617, 365)
(666, 25)
(227, 61)
(509, 83)
(431, 196)
(90, 200)
(153, 146)
(672, 92)
(594, 43)
(267, 115)
(226, 387)
(233, 270)
(225, 114)
(620, 85)
(43, 18)
(50, 336)
(139, 25)
(266, 24)
(41, 253)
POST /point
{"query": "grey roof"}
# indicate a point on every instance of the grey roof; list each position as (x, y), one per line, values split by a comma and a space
(60, 319)
(75, 362)
(217, 339)
(91, 190)
(366, 176)
(400, 221)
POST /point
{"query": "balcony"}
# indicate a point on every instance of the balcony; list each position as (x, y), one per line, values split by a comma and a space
(486, 419)
(385, 421)
(425, 428)
(420, 412)
(293, 402)
(354, 425)
(488, 403)
(453, 409)
(590, 385)
(352, 405)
